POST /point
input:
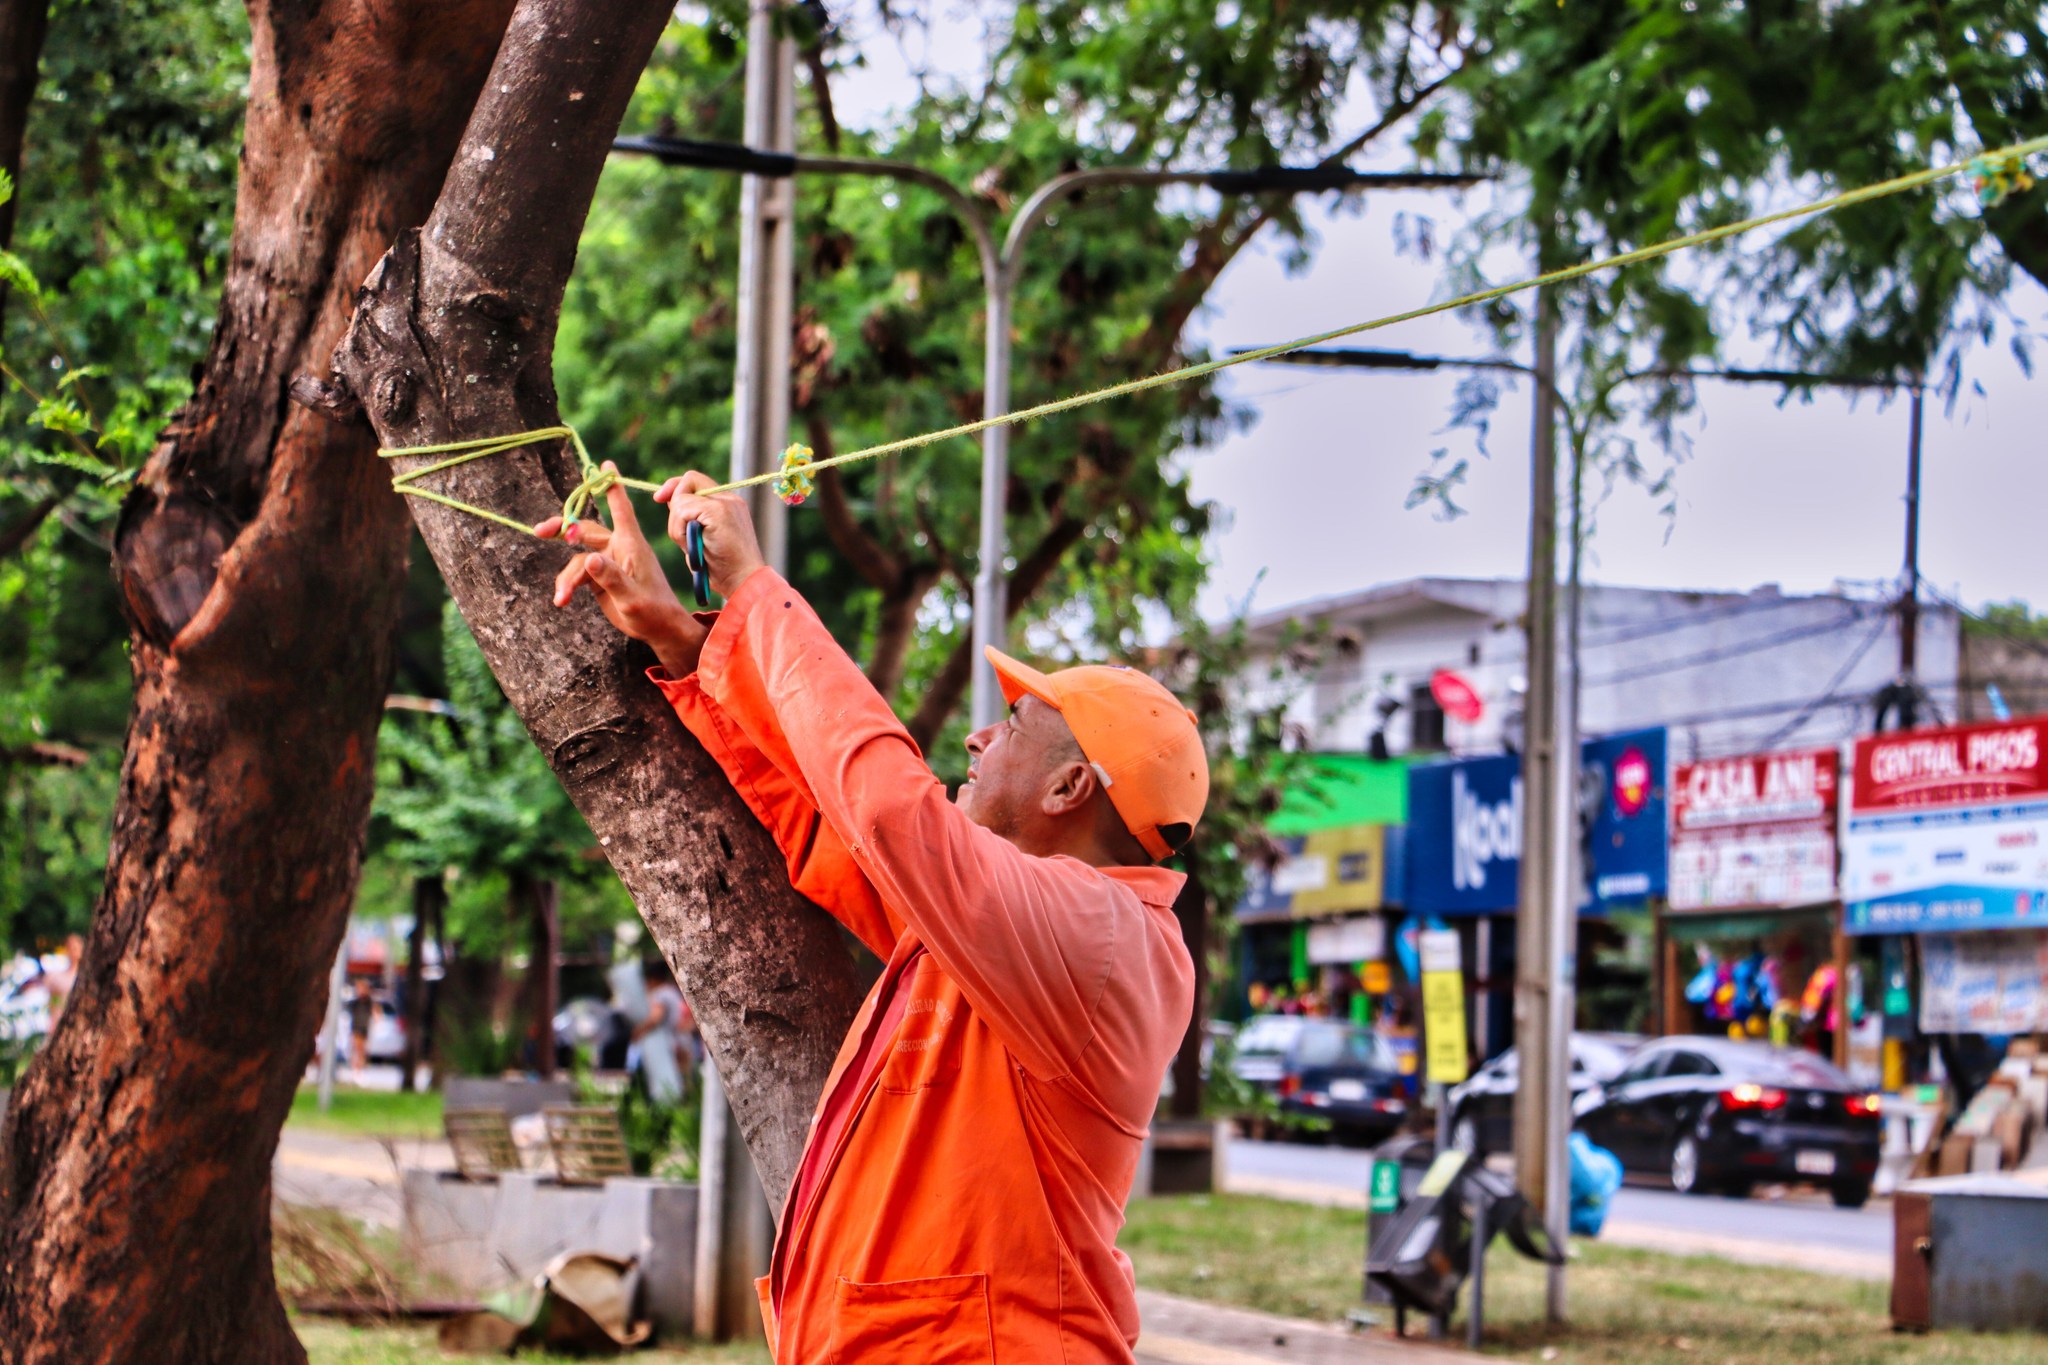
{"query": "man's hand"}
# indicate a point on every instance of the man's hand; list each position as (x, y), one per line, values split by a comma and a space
(620, 570)
(731, 550)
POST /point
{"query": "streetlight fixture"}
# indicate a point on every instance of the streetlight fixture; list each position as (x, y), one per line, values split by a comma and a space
(999, 275)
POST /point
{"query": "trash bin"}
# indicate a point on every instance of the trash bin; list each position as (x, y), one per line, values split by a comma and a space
(1422, 1254)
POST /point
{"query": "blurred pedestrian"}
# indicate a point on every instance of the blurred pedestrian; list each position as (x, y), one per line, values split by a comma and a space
(660, 1037)
(361, 1010)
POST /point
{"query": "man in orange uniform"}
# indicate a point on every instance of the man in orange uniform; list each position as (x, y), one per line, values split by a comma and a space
(960, 1195)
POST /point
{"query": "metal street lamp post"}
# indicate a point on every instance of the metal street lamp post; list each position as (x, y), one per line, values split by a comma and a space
(999, 274)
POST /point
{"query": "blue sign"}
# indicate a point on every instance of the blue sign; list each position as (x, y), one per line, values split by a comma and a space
(1949, 907)
(1624, 820)
(1464, 843)
(1465, 835)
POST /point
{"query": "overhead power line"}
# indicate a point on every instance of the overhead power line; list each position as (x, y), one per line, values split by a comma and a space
(1732, 651)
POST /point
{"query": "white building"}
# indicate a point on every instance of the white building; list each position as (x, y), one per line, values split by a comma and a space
(1727, 672)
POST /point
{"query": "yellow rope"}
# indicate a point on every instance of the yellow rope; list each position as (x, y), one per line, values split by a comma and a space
(1986, 167)
(596, 482)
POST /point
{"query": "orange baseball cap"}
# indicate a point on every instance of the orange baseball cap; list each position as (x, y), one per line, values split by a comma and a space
(1140, 738)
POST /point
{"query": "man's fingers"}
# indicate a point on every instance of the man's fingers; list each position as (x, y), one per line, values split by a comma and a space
(625, 522)
(696, 481)
(668, 488)
(595, 571)
(573, 575)
(549, 529)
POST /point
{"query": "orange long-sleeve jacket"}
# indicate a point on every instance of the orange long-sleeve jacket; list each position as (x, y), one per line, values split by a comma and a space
(961, 1192)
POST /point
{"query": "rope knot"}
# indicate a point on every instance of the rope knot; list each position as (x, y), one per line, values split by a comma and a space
(596, 483)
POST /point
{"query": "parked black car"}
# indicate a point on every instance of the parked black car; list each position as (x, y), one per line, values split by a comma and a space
(1714, 1114)
(1325, 1069)
(1483, 1105)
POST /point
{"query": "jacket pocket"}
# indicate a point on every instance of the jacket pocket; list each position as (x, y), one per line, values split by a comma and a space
(939, 1321)
(926, 1048)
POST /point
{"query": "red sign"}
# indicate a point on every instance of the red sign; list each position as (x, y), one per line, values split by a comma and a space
(1964, 765)
(1754, 831)
(1459, 698)
(1631, 781)
(1755, 789)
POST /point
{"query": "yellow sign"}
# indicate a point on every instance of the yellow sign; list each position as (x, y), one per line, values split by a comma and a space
(1340, 870)
(1443, 1008)
(1375, 978)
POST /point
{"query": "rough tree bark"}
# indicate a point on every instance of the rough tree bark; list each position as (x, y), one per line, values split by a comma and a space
(453, 339)
(260, 561)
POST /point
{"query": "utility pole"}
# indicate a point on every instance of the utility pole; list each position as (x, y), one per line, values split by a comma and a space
(1909, 604)
(1547, 897)
(735, 1229)
(760, 390)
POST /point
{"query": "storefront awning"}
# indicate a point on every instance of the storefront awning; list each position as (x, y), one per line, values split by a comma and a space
(1698, 926)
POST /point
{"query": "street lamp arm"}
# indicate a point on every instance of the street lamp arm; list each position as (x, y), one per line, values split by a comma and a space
(963, 205)
(1257, 180)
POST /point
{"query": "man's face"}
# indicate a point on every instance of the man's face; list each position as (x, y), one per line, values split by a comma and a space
(1010, 764)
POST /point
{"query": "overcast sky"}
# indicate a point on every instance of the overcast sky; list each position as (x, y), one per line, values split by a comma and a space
(1800, 495)
(1312, 495)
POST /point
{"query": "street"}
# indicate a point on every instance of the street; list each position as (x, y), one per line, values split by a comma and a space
(1800, 1227)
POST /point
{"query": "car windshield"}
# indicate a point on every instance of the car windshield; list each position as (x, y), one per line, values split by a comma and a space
(1321, 1045)
(1790, 1067)
(1268, 1035)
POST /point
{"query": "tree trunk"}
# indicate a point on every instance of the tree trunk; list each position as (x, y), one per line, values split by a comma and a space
(261, 562)
(23, 26)
(1191, 908)
(537, 898)
(453, 339)
(429, 894)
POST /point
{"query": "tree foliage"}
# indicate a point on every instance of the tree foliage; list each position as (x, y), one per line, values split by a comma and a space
(123, 203)
(462, 789)
(1623, 124)
(889, 341)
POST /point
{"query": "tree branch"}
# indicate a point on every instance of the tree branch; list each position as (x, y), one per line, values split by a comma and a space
(875, 564)
(24, 527)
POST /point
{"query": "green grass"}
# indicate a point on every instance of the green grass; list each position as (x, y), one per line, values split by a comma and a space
(1627, 1307)
(333, 1343)
(368, 1113)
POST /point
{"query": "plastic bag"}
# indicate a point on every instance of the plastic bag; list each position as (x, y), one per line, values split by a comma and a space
(1595, 1176)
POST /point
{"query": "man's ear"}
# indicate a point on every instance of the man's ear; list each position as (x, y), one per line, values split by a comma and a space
(1072, 787)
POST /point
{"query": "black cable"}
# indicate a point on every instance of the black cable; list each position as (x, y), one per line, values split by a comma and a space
(1755, 646)
(1830, 692)
(1636, 630)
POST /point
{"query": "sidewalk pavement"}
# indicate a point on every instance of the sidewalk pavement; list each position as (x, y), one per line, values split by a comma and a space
(1181, 1331)
(357, 1175)
(360, 1177)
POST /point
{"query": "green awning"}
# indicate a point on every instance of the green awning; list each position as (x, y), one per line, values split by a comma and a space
(1699, 926)
(1348, 789)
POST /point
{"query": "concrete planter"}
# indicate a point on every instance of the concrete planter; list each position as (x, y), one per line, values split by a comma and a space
(1182, 1156)
(480, 1236)
(516, 1097)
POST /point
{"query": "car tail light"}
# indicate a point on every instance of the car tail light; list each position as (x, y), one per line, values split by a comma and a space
(1753, 1097)
(1290, 1086)
(1865, 1106)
